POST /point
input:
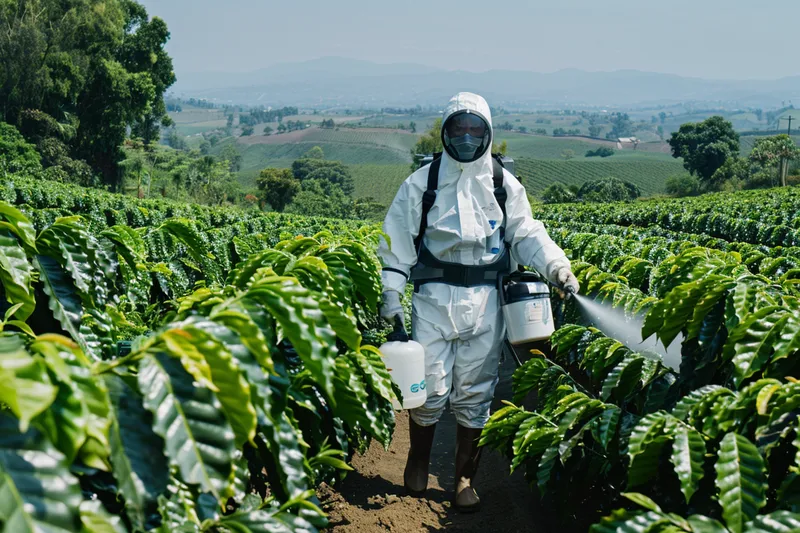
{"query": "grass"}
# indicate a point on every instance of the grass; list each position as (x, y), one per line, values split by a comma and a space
(650, 174)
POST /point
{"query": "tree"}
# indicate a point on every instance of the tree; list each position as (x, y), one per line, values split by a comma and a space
(367, 208)
(682, 185)
(501, 148)
(52, 141)
(594, 130)
(660, 132)
(143, 51)
(662, 117)
(759, 114)
(328, 172)
(268, 130)
(429, 143)
(314, 199)
(776, 151)
(15, 153)
(734, 172)
(315, 153)
(281, 128)
(247, 131)
(621, 126)
(603, 151)
(205, 147)
(97, 65)
(278, 187)
(234, 159)
(608, 190)
(558, 193)
(523, 129)
(567, 154)
(705, 146)
(176, 141)
(412, 126)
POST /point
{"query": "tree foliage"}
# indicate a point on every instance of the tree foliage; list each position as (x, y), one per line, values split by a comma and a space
(682, 185)
(603, 151)
(608, 190)
(315, 152)
(558, 193)
(776, 151)
(278, 186)
(705, 146)
(15, 153)
(232, 155)
(326, 172)
(96, 66)
(429, 142)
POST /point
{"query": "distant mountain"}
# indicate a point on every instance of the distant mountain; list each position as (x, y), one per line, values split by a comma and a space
(325, 68)
(334, 81)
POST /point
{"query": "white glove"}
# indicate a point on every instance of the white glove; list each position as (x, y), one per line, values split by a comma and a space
(391, 306)
(567, 281)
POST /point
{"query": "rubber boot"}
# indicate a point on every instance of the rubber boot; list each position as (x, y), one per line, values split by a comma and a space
(467, 456)
(415, 476)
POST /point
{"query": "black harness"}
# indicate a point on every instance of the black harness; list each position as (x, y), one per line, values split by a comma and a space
(430, 269)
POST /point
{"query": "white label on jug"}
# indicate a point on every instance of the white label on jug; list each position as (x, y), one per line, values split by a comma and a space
(534, 311)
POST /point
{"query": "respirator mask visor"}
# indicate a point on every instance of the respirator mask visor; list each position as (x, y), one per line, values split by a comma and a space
(466, 136)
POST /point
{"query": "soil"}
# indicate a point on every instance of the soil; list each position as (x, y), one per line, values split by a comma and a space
(372, 498)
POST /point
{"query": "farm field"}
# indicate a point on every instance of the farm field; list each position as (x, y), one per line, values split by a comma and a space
(223, 391)
(379, 158)
(371, 147)
(203, 292)
(548, 147)
(649, 173)
(622, 418)
(423, 122)
(380, 182)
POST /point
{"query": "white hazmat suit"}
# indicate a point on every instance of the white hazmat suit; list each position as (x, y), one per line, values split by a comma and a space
(462, 328)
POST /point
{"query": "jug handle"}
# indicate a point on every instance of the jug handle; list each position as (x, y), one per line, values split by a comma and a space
(399, 333)
(502, 280)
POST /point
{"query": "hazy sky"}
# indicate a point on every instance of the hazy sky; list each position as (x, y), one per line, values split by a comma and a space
(705, 38)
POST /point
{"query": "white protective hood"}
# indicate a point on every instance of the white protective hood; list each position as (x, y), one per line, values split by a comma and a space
(465, 220)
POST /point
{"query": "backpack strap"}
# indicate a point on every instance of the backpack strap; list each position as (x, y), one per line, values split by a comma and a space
(428, 198)
(497, 178)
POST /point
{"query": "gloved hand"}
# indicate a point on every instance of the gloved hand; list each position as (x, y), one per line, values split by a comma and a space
(391, 307)
(567, 281)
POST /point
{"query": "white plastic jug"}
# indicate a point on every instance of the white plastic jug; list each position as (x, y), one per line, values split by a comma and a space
(405, 360)
(525, 301)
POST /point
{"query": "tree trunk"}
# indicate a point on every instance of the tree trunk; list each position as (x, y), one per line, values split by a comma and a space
(784, 169)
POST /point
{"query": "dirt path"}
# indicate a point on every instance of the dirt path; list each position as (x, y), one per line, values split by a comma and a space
(372, 498)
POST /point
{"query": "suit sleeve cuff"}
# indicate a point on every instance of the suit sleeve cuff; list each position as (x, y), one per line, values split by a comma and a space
(394, 280)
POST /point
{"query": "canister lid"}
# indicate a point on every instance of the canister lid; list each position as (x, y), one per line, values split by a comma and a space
(517, 291)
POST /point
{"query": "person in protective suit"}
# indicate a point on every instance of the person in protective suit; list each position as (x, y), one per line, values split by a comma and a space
(460, 325)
